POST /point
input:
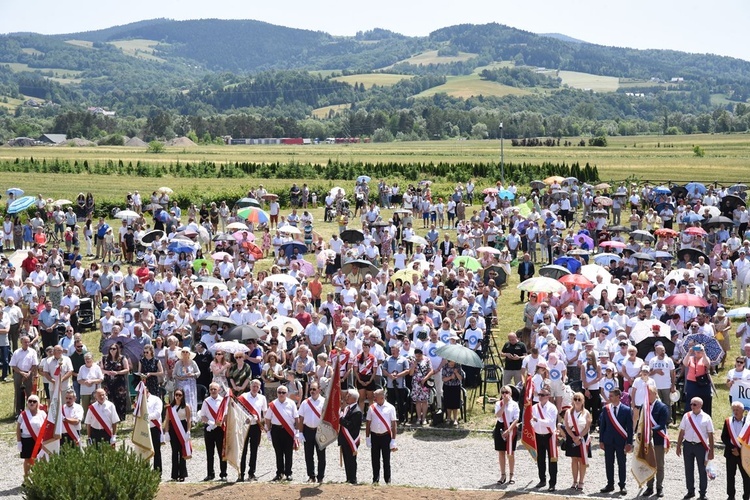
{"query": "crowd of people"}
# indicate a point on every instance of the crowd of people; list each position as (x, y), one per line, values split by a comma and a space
(637, 315)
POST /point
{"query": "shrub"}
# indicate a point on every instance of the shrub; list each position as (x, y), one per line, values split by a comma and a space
(155, 147)
(94, 473)
(698, 151)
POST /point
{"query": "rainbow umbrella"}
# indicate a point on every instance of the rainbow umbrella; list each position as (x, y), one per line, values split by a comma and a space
(254, 215)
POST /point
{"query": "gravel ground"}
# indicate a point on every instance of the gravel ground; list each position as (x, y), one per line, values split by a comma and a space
(449, 460)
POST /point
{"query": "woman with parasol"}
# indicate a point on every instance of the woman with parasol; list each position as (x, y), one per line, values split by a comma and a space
(698, 381)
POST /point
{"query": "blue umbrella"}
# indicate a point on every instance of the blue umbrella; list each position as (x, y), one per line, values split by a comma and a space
(505, 194)
(690, 218)
(662, 206)
(289, 248)
(660, 254)
(570, 263)
(662, 190)
(363, 178)
(162, 216)
(15, 191)
(21, 204)
(180, 247)
(693, 187)
(603, 259)
(713, 349)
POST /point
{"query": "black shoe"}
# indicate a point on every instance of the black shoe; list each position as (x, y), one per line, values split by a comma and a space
(289, 477)
(607, 489)
(223, 478)
(623, 491)
(376, 483)
(241, 478)
(277, 477)
(320, 480)
(647, 492)
(659, 493)
(688, 496)
(311, 480)
(209, 478)
(540, 484)
(551, 488)
(181, 480)
(252, 478)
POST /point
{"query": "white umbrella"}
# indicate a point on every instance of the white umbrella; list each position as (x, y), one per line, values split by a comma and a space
(542, 284)
(491, 250)
(677, 275)
(744, 275)
(59, 203)
(165, 190)
(290, 230)
(740, 312)
(210, 285)
(221, 255)
(126, 214)
(712, 212)
(238, 226)
(282, 322)
(643, 329)
(281, 278)
(230, 346)
(336, 190)
(417, 240)
(610, 287)
(591, 271)
(152, 206)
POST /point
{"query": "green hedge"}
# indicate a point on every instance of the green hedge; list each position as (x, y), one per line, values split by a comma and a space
(96, 473)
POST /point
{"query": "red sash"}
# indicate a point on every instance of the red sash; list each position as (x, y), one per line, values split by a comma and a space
(343, 362)
(249, 407)
(584, 442)
(368, 366)
(617, 425)
(697, 431)
(353, 443)
(552, 436)
(27, 422)
(745, 433)
(661, 433)
(107, 427)
(374, 409)
(312, 407)
(182, 434)
(69, 430)
(284, 423)
(511, 434)
(732, 436)
(218, 414)
(157, 423)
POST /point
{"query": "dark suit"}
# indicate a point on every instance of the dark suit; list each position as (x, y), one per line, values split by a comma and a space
(525, 271)
(660, 413)
(614, 443)
(734, 462)
(446, 252)
(351, 420)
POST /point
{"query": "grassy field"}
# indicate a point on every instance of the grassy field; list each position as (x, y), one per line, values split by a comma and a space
(57, 72)
(81, 43)
(432, 57)
(587, 81)
(143, 49)
(323, 112)
(472, 85)
(369, 80)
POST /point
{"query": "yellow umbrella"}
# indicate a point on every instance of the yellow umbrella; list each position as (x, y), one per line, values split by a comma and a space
(405, 275)
(554, 179)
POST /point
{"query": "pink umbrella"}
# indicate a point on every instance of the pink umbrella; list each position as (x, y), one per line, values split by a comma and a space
(696, 231)
(685, 299)
(612, 244)
(489, 191)
(218, 256)
(304, 267)
(240, 236)
(581, 239)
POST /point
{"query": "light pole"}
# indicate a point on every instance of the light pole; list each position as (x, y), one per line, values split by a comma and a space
(502, 157)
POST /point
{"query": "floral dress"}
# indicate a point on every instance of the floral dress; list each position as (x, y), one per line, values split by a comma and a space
(420, 393)
(117, 386)
(151, 366)
(219, 374)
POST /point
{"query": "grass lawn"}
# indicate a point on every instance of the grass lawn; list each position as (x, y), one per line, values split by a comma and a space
(472, 85)
(371, 79)
(143, 49)
(432, 57)
(587, 81)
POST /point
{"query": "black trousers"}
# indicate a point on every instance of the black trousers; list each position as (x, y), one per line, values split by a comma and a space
(179, 464)
(215, 442)
(612, 452)
(311, 449)
(734, 463)
(543, 451)
(49, 339)
(99, 436)
(13, 336)
(350, 463)
(381, 446)
(397, 397)
(156, 441)
(253, 440)
(283, 445)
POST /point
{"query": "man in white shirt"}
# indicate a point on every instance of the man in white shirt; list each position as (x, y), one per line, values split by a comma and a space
(381, 429)
(256, 405)
(281, 420)
(696, 443)
(212, 417)
(154, 407)
(310, 414)
(72, 414)
(430, 349)
(662, 370)
(24, 363)
(49, 370)
(101, 420)
(544, 423)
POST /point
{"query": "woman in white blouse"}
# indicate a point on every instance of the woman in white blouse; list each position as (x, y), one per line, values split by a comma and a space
(505, 433)
(90, 375)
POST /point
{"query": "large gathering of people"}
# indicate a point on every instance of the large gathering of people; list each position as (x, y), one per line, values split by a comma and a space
(625, 293)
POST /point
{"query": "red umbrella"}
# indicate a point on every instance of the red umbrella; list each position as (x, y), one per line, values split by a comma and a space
(670, 233)
(696, 231)
(612, 244)
(253, 250)
(685, 299)
(578, 280)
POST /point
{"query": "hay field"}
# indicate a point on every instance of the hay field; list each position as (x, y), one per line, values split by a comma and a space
(472, 85)
(323, 112)
(587, 81)
(369, 80)
(143, 49)
(432, 57)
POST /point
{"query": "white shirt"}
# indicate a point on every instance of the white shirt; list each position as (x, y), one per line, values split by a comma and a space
(258, 402)
(546, 420)
(387, 411)
(106, 411)
(208, 405)
(308, 415)
(74, 411)
(287, 409)
(511, 410)
(702, 421)
(667, 366)
(24, 360)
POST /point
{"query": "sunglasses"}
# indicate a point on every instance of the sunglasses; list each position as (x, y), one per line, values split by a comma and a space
(113, 348)
(32, 402)
(544, 395)
(504, 392)
(693, 404)
(219, 353)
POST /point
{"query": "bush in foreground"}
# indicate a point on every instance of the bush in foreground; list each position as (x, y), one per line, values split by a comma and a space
(92, 474)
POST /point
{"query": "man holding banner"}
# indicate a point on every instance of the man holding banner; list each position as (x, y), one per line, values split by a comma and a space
(350, 423)
(697, 436)
(730, 436)
(649, 465)
(256, 405)
(616, 439)
(310, 412)
(544, 422)
(281, 419)
(213, 411)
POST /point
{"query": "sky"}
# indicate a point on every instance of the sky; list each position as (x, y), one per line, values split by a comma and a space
(717, 27)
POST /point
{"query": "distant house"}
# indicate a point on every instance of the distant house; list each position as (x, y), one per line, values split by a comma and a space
(31, 103)
(677, 79)
(52, 138)
(100, 111)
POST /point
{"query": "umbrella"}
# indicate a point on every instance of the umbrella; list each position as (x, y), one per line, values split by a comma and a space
(740, 312)
(492, 250)
(459, 354)
(599, 212)
(222, 237)
(662, 206)
(718, 221)
(153, 206)
(352, 236)
(209, 282)
(573, 265)
(61, 202)
(555, 179)
(131, 348)
(644, 329)
(15, 191)
(694, 254)
(402, 211)
(240, 236)
(577, 280)
(730, 202)
(709, 212)
(541, 284)
(537, 184)
(244, 332)
(603, 201)
(713, 349)
(592, 271)
(696, 231)
(646, 346)
(582, 239)
(417, 240)
(678, 191)
(289, 229)
(662, 190)
(223, 321)
(151, 236)
(253, 250)
(504, 194)
(641, 235)
(570, 180)
(126, 214)
(489, 191)
(221, 255)
(618, 229)
(270, 196)
(643, 256)
(229, 346)
(282, 322)
(602, 185)
(737, 188)
(695, 187)
(198, 263)
(666, 232)
(469, 263)
(284, 279)
(661, 254)
(610, 287)
(685, 299)
(181, 247)
(291, 246)
(337, 190)
(380, 223)
(21, 204)
(578, 251)
(364, 266)
(237, 226)
(247, 202)
(305, 267)
(612, 244)
(165, 190)
(406, 275)
(693, 217)
(363, 178)
(679, 274)
(496, 273)
(553, 271)
(603, 259)
(254, 215)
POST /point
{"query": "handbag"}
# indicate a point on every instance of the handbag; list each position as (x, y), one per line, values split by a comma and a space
(703, 380)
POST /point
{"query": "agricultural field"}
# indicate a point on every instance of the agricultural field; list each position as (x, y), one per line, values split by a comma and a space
(323, 112)
(472, 85)
(81, 43)
(32, 51)
(369, 80)
(587, 81)
(143, 49)
(432, 57)
(56, 72)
